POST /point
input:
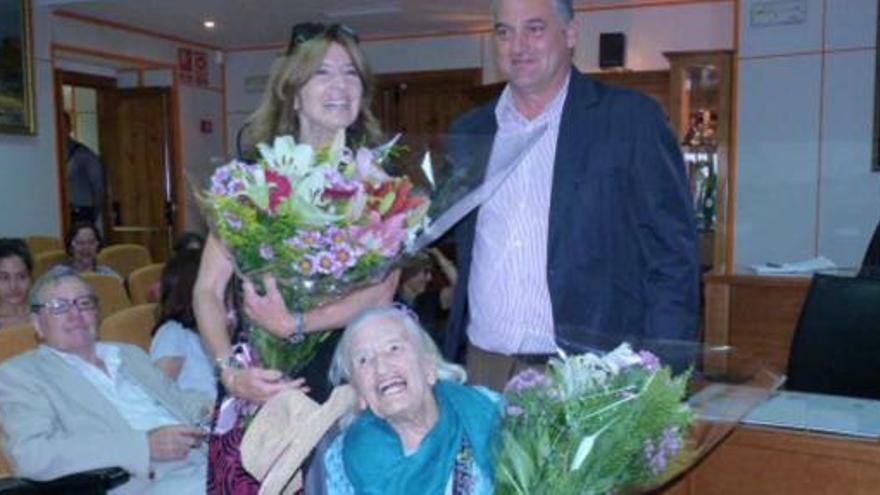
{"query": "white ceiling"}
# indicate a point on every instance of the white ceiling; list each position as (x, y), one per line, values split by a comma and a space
(248, 23)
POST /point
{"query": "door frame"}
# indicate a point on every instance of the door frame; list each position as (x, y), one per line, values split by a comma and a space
(127, 63)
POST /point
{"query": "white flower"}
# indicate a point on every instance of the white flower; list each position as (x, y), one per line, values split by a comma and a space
(622, 357)
(287, 157)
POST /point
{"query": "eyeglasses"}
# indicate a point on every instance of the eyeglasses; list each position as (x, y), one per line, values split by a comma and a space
(59, 306)
(306, 31)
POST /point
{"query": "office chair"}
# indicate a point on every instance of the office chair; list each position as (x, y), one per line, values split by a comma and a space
(836, 344)
(871, 262)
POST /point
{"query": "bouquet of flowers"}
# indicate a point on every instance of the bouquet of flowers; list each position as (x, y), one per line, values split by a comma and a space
(323, 222)
(594, 424)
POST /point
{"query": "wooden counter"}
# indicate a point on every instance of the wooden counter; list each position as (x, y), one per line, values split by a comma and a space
(756, 314)
(769, 461)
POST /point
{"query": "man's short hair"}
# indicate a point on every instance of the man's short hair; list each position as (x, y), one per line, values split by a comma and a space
(51, 279)
(565, 9)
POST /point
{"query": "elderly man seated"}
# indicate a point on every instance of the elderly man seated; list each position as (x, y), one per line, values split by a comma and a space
(75, 404)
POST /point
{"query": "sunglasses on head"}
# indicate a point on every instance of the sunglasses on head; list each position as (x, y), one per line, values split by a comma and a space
(306, 31)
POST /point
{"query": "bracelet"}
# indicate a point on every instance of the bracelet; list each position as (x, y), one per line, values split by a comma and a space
(299, 328)
(232, 361)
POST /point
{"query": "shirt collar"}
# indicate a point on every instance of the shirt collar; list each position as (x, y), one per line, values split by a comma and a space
(506, 113)
(107, 353)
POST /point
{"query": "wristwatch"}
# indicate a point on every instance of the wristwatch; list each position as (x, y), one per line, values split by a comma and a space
(299, 328)
(232, 361)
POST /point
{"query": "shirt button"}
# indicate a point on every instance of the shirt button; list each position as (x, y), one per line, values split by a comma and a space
(517, 244)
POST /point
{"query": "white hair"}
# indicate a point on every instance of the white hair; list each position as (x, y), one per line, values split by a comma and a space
(340, 367)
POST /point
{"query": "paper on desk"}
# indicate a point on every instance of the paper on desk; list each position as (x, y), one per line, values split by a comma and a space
(807, 266)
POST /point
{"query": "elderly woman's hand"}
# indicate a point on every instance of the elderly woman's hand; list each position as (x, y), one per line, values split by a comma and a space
(258, 384)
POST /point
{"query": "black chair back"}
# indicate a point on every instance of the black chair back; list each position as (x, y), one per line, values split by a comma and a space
(836, 346)
(871, 262)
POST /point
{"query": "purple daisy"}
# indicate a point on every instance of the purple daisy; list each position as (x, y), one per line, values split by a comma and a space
(327, 264)
(232, 220)
(307, 265)
(266, 252)
(649, 361)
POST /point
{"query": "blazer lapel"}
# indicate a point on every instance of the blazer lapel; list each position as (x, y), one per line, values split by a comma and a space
(577, 132)
(77, 388)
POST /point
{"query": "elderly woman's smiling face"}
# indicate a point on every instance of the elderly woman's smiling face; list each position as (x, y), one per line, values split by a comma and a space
(391, 374)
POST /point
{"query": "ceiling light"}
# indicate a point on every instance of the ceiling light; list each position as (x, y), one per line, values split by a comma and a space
(209, 24)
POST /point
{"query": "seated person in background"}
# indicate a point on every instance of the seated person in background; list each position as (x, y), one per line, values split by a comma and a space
(430, 301)
(16, 265)
(177, 347)
(82, 242)
(420, 430)
(74, 404)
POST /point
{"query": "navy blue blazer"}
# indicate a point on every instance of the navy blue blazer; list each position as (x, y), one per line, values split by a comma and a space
(622, 252)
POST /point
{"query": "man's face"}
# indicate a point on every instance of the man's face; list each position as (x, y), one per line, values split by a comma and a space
(74, 330)
(533, 46)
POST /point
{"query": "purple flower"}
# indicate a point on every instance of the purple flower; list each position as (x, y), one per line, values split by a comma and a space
(658, 454)
(514, 410)
(236, 186)
(327, 264)
(335, 237)
(345, 256)
(524, 380)
(306, 266)
(310, 238)
(232, 220)
(266, 252)
(649, 361)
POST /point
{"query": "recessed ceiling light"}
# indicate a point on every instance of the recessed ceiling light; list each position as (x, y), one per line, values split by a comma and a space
(209, 24)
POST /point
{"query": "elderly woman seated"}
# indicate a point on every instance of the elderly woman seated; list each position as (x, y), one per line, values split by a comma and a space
(420, 430)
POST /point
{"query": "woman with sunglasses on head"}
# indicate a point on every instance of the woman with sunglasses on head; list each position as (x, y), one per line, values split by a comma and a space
(319, 88)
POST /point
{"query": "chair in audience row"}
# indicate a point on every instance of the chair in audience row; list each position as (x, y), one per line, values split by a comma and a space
(46, 260)
(124, 258)
(143, 283)
(41, 243)
(132, 325)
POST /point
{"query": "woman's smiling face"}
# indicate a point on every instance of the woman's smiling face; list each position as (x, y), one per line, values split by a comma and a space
(331, 100)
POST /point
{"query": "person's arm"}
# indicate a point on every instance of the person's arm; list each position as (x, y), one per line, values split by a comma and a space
(209, 303)
(171, 366)
(667, 230)
(215, 272)
(270, 312)
(42, 449)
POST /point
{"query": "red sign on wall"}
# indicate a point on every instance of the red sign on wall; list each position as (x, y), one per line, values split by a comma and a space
(192, 67)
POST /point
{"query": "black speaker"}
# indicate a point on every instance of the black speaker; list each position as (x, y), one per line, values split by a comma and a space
(612, 50)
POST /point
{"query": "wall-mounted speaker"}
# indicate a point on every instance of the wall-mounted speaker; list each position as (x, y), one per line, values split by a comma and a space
(612, 50)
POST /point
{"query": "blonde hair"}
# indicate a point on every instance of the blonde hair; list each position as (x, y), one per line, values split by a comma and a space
(276, 115)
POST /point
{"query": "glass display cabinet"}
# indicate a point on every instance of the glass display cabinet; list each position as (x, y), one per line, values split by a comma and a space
(700, 110)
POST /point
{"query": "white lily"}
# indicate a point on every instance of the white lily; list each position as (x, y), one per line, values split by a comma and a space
(288, 157)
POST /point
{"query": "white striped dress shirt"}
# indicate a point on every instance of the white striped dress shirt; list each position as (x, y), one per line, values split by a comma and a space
(508, 298)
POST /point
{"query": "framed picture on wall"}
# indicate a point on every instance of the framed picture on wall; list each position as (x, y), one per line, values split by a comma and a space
(16, 68)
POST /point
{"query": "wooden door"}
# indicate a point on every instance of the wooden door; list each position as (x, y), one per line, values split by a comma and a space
(135, 132)
(422, 105)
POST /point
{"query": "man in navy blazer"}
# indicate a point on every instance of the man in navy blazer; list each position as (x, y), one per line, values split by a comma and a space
(620, 255)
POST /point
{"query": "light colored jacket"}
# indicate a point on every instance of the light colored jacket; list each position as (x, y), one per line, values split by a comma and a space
(55, 422)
